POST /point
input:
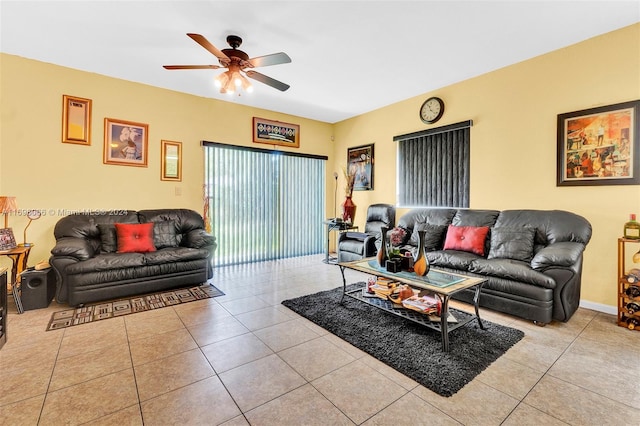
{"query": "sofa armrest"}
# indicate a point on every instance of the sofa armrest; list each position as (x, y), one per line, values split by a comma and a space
(199, 238)
(563, 254)
(358, 236)
(77, 248)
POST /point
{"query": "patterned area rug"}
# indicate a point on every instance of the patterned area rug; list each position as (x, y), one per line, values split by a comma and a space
(117, 308)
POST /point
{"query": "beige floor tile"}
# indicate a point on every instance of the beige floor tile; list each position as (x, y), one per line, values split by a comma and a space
(22, 413)
(385, 370)
(235, 351)
(236, 421)
(604, 329)
(526, 415)
(245, 304)
(345, 346)
(410, 410)
(170, 373)
(90, 400)
(129, 416)
(358, 390)
(302, 406)
(285, 335)
(262, 318)
(42, 353)
(198, 313)
(215, 331)
(510, 377)
(537, 350)
(260, 381)
(90, 365)
(161, 345)
(152, 323)
(474, 404)
(578, 406)
(91, 341)
(30, 336)
(592, 365)
(206, 402)
(19, 384)
(315, 358)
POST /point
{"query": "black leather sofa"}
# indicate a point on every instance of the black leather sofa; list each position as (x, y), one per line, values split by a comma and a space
(89, 268)
(531, 258)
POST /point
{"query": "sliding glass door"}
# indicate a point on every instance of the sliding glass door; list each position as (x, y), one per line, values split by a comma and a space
(264, 204)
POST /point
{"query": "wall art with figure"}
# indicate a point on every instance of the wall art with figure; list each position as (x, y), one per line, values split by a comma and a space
(599, 146)
(125, 143)
(360, 165)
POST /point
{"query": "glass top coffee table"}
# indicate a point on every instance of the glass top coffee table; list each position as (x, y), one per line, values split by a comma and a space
(440, 283)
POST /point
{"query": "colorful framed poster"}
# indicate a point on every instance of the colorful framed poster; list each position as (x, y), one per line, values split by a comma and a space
(276, 133)
(125, 143)
(76, 120)
(360, 165)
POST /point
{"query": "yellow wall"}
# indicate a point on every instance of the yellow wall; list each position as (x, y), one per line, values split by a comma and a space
(513, 140)
(513, 153)
(44, 173)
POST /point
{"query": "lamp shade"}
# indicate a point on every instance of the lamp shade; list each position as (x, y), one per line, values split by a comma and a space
(7, 205)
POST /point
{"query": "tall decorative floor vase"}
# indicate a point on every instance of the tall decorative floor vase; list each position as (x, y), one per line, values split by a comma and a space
(348, 210)
(421, 264)
(383, 253)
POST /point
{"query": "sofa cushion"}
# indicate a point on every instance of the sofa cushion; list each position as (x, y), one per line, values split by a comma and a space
(174, 254)
(108, 237)
(433, 236)
(512, 270)
(135, 238)
(460, 260)
(164, 234)
(106, 262)
(466, 238)
(512, 243)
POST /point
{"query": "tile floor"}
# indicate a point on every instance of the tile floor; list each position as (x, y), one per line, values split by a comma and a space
(245, 359)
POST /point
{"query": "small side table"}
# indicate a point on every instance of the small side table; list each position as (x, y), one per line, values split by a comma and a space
(335, 226)
(19, 257)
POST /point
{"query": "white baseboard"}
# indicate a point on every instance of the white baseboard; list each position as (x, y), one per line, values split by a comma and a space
(607, 309)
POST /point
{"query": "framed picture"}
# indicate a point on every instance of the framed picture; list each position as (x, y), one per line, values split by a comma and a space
(360, 164)
(76, 120)
(599, 146)
(125, 143)
(7, 240)
(171, 161)
(276, 133)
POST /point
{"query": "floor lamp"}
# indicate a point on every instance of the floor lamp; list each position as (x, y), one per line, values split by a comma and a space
(335, 196)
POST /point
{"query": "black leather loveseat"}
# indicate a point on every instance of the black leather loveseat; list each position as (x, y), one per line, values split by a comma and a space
(89, 267)
(532, 258)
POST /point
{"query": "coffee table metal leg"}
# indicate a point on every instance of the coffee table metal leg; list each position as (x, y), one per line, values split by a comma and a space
(476, 302)
(444, 323)
(344, 284)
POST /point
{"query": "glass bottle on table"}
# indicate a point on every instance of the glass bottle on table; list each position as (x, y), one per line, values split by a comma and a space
(632, 228)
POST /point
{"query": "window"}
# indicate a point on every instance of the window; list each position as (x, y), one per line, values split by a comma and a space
(433, 167)
(264, 204)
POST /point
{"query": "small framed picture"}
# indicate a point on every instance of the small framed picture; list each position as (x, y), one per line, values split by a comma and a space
(360, 165)
(599, 146)
(171, 161)
(276, 133)
(7, 240)
(125, 143)
(76, 120)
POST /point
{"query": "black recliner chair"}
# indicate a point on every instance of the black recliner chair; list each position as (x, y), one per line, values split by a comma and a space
(358, 245)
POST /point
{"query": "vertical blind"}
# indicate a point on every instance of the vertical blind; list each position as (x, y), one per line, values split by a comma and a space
(433, 167)
(264, 204)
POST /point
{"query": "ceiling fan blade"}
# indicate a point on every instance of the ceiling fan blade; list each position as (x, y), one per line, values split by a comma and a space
(267, 80)
(273, 59)
(224, 59)
(191, 67)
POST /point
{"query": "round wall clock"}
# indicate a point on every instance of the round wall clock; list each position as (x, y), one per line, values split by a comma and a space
(432, 110)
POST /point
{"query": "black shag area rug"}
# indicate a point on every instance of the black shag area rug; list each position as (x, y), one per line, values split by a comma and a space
(409, 348)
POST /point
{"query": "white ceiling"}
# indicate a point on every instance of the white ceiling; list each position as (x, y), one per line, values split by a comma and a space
(348, 57)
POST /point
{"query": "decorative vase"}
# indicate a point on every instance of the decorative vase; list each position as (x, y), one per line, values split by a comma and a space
(421, 263)
(348, 210)
(383, 252)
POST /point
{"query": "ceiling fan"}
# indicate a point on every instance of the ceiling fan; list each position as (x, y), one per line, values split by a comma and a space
(236, 62)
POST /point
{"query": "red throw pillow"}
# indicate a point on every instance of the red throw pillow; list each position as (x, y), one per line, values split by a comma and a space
(135, 237)
(466, 238)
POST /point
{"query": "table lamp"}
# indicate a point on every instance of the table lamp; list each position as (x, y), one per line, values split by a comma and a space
(7, 205)
(32, 215)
